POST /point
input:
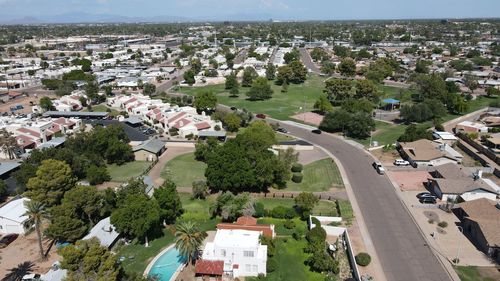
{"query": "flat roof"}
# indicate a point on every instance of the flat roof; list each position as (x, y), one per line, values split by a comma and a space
(237, 238)
(212, 134)
(14, 210)
(6, 167)
(104, 231)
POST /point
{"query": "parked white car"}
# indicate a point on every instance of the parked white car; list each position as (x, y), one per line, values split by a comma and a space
(401, 162)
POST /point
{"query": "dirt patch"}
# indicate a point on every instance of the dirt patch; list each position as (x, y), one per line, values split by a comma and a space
(26, 102)
(410, 180)
(108, 184)
(385, 157)
(309, 118)
(432, 216)
(25, 248)
(310, 156)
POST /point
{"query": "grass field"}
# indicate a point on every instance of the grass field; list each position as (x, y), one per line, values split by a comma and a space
(280, 106)
(345, 209)
(136, 257)
(184, 169)
(324, 207)
(195, 205)
(128, 170)
(473, 273)
(290, 258)
(318, 176)
(281, 229)
(103, 108)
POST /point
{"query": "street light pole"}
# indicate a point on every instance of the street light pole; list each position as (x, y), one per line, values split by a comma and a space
(459, 245)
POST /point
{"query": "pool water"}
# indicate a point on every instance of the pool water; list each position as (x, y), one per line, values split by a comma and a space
(168, 263)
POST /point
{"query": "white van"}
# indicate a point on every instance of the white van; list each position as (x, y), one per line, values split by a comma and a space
(401, 162)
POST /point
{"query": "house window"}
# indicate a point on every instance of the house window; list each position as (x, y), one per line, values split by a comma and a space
(247, 267)
(248, 254)
(223, 253)
(254, 268)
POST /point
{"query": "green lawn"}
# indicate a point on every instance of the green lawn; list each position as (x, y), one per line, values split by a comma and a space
(103, 108)
(345, 209)
(281, 229)
(195, 205)
(471, 273)
(290, 259)
(136, 256)
(280, 106)
(184, 169)
(128, 170)
(324, 207)
(318, 176)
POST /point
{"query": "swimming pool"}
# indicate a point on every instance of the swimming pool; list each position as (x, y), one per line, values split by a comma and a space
(167, 265)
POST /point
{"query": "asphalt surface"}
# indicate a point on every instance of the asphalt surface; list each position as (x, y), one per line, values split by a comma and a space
(403, 252)
(307, 61)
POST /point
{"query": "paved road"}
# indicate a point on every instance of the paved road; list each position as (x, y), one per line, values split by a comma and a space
(400, 246)
(307, 61)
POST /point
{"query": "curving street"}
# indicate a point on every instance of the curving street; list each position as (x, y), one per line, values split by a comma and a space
(403, 252)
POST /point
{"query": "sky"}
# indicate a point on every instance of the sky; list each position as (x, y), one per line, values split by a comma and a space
(256, 9)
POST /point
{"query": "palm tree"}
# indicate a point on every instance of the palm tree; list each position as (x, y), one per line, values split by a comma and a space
(8, 144)
(35, 211)
(17, 273)
(188, 240)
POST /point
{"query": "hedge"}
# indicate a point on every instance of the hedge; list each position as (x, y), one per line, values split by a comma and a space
(297, 178)
(297, 168)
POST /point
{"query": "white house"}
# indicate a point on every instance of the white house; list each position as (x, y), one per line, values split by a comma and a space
(240, 250)
(12, 218)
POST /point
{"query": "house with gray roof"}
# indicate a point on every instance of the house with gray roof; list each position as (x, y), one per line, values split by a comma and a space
(105, 232)
(149, 150)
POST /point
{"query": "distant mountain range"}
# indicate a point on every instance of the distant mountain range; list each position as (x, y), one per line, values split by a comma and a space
(109, 18)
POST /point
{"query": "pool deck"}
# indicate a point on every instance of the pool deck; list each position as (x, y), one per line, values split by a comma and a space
(150, 265)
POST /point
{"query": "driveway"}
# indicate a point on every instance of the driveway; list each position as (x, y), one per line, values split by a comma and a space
(399, 245)
(169, 154)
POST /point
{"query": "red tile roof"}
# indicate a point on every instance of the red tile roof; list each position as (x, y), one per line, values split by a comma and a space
(249, 223)
(24, 141)
(184, 122)
(29, 132)
(202, 126)
(175, 117)
(206, 267)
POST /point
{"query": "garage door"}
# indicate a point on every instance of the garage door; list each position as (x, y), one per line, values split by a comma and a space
(12, 229)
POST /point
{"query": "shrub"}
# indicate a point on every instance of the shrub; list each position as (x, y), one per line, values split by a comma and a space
(363, 259)
(281, 212)
(297, 234)
(190, 136)
(431, 221)
(297, 168)
(260, 211)
(443, 224)
(297, 178)
(271, 265)
(289, 224)
(315, 221)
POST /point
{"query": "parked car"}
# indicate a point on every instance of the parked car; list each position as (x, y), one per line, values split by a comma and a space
(378, 166)
(261, 116)
(282, 130)
(425, 195)
(401, 162)
(316, 131)
(7, 239)
(428, 200)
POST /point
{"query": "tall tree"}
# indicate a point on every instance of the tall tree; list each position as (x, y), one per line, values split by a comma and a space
(169, 202)
(53, 178)
(270, 71)
(137, 217)
(35, 211)
(305, 202)
(8, 144)
(323, 105)
(366, 89)
(205, 101)
(299, 72)
(260, 90)
(46, 104)
(249, 75)
(188, 240)
(347, 67)
(88, 260)
(338, 90)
